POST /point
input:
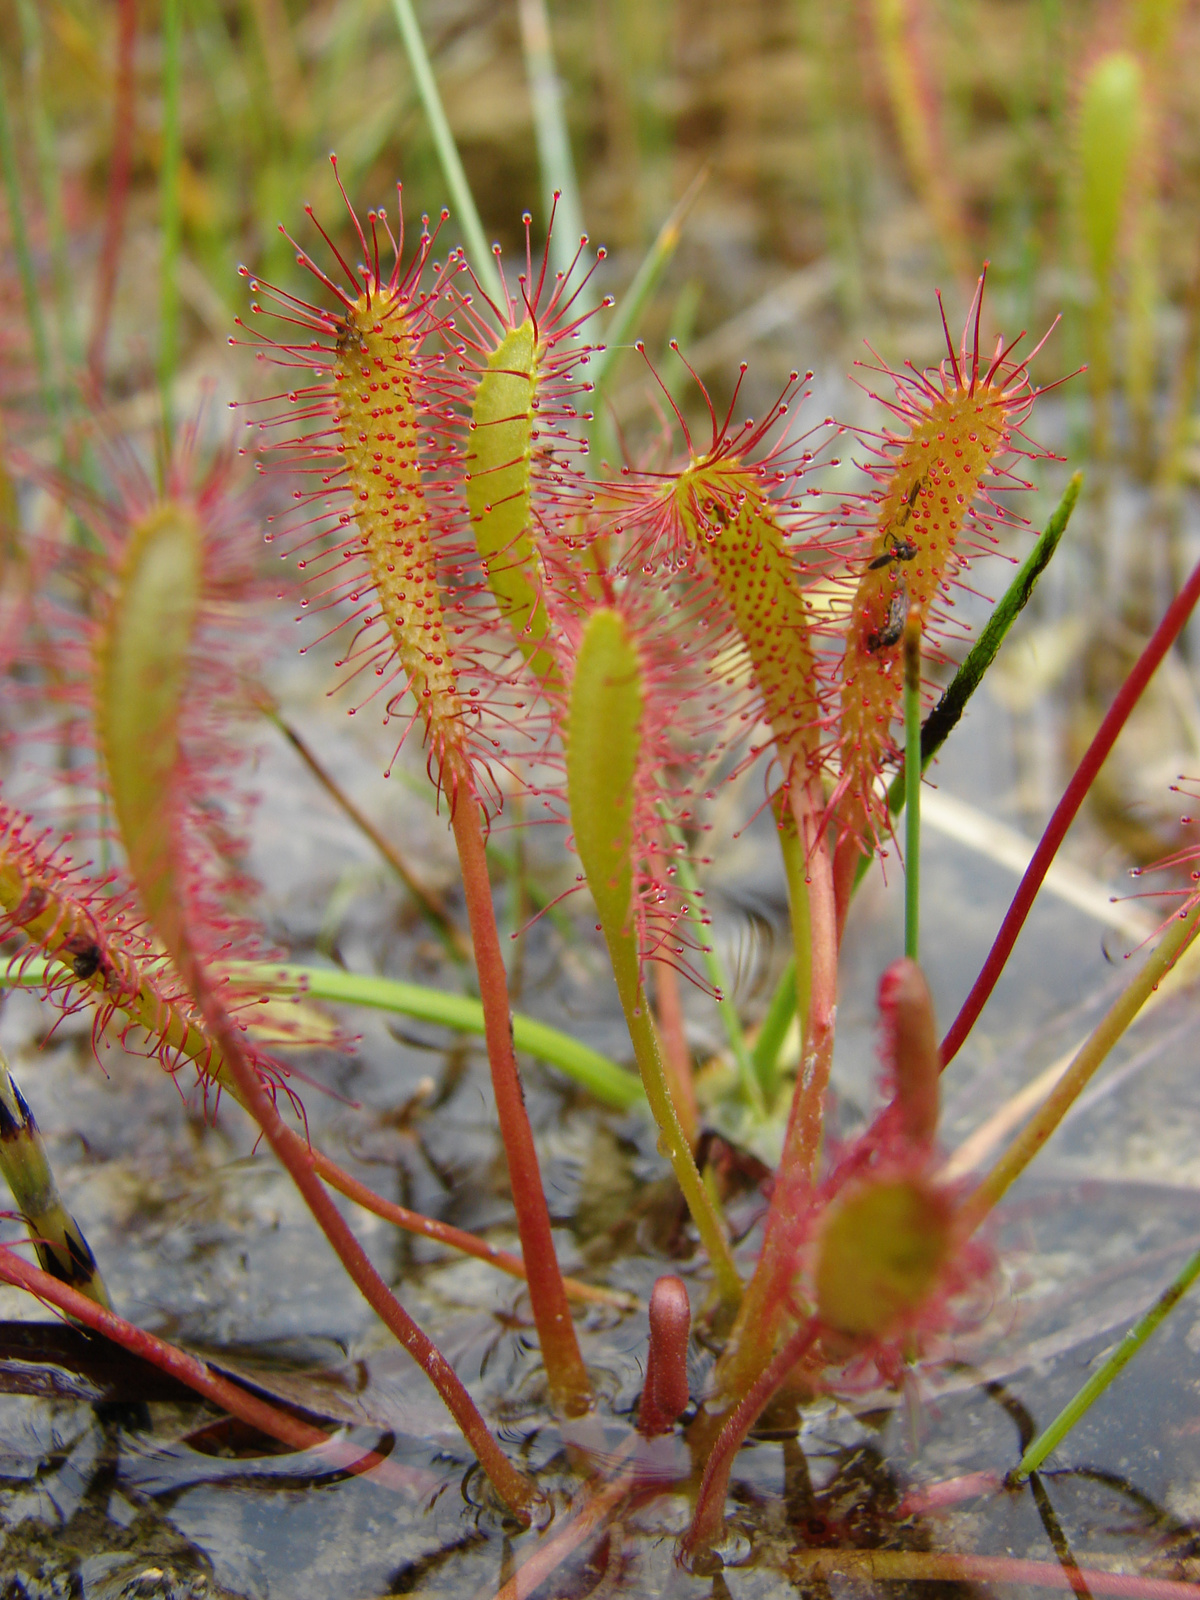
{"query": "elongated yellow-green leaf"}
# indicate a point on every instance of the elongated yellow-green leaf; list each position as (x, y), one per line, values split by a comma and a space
(142, 671)
(603, 746)
(604, 743)
(377, 411)
(500, 464)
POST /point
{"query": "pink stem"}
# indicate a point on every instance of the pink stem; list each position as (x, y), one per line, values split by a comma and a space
(767, 1294)
(802, 1143)
(512, 1486)
(1130, 691)
(454, 1238)
(565, 1370)
(119, 170)
(193, 1372)
(710, 1506)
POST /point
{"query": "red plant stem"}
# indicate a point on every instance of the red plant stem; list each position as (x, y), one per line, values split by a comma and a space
(767, 1295)
(119, 169)
(512, 1486)
(710, 1504)
(802, 1143)
(565, 1371)
(456, 1238)
(591, 1509)
(190, 1370)
(1084, 776)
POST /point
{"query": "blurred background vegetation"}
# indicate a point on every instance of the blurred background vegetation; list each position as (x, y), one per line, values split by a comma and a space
(856, 153)
(843, 158)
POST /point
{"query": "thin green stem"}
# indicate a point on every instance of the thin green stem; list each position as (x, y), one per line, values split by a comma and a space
(461, 197)
(172, 153)
(1052, 1436)
(610, 1084)
(25, 267)
(775, 1025)
(555, 160)
(1087, 1060)
(912, 767)
(715, 969)
(673, 1144)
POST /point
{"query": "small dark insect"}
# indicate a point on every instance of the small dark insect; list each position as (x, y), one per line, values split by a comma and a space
(897, 550)
(910, 502)
(893, 628)
(85, 955)
(350, 336)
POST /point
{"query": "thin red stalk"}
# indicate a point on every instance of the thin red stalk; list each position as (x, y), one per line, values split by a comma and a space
(455, 1238)
(565, 1370)
(195, 1374)
(1127, 697)
(710, 1504)
(512, 1486)
(120, 168)
(803, 1142)
(767, 1295)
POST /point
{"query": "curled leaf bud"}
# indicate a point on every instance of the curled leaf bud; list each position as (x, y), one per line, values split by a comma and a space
(665, 1393)
(910, 1049)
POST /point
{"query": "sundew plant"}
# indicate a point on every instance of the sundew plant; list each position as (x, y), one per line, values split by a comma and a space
(603, 638)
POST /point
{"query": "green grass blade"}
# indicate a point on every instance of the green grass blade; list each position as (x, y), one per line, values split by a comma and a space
(1051, 1437)
(941, 720)
(592, 1071)
(30, 287)
(168, 336)
(633, 303)
(553, 137)
(447, 151)
(776, 1023)
(749, 1079)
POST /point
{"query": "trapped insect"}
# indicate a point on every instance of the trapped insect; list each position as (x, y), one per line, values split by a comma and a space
(884, 638)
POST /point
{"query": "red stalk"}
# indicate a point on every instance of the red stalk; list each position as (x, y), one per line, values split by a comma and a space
(710, 1505)
(512, 1486)
(120, 168)
(190, 1370)
(1127, 697)
(454, 1238)
(767, 1295)
(565, 1370)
